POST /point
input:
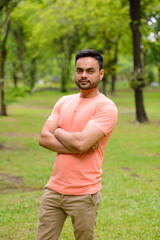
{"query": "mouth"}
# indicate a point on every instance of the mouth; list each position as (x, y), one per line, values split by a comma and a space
(83, 81)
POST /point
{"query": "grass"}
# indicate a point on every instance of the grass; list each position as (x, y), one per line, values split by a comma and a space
(130, 208)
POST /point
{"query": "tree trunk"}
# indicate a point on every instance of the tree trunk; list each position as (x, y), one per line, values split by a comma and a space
(135, 22)
(104, 83)
(15, 77)
(113, 73)
(64, 60)
(20, 53)
(140, 113)
(2, 69)
(64, 65)
(114, 77)
(159, 75)
(33, 73)
(63, 77)
(3, 106)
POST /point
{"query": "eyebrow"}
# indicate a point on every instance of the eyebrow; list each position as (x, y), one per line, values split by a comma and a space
(91, 68)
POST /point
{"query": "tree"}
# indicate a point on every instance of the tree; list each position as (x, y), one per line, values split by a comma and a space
(23, 19)
(152, 41)
(104, 27)
(50, 35)
(59, 36)
(2, 67)
(138, 71)
(6, 7)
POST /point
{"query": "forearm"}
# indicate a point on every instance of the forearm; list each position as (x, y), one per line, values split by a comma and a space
(72, 140)
(49, 141)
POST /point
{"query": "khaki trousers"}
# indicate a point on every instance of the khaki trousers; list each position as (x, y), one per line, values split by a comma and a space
(55, 208)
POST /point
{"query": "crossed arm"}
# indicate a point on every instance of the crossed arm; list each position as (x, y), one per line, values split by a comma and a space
(58, 140)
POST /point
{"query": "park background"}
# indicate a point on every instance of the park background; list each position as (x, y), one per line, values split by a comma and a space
(38, 43)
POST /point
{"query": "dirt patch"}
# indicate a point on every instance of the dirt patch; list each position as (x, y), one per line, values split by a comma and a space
(135, 175)
(13, 183)
(9, 146)
(21, 135)
(40, 107)
(149, 181)
(126, 168)
(8, 182)
(1, 146)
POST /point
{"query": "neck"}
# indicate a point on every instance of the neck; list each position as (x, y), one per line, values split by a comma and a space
(89, 93)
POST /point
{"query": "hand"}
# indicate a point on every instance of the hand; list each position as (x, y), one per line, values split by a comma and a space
(95, 146)
(56, 132)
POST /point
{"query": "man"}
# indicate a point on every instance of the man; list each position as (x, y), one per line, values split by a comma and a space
(78, 129)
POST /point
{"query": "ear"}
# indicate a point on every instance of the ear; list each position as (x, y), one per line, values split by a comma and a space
(101, 74)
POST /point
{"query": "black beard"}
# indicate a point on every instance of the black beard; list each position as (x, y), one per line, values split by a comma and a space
(90, 86)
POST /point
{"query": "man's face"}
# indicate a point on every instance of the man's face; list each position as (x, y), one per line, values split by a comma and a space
(87, 73)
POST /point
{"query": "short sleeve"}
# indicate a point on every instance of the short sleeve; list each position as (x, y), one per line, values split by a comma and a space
(105, 118)
(56, 111)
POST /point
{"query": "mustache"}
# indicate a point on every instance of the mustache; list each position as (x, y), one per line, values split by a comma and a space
(84, 79)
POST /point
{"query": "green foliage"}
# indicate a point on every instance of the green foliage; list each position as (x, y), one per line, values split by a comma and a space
(150, 29)
(57, 29)
(150, 76)
(15, 94)
(138, 79)
(53, 28)
(153, 53)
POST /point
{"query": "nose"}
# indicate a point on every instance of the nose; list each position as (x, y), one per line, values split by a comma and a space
(84, 74)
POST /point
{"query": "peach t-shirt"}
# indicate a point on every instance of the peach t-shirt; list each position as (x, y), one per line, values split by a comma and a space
(80, 173)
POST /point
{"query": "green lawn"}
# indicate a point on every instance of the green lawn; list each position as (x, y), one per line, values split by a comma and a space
(130, 208)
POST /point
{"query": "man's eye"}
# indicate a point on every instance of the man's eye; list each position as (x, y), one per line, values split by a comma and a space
(78, 70)
(91, 71)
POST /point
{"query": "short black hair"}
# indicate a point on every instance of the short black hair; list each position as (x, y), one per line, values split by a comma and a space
(91, 53)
